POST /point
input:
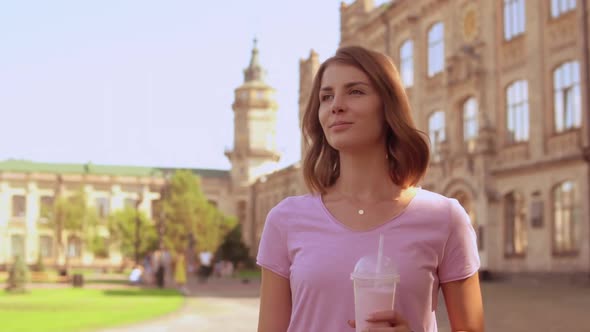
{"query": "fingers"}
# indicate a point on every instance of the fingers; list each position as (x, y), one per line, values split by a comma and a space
(351, 323)
(389, 316)
(387, 329)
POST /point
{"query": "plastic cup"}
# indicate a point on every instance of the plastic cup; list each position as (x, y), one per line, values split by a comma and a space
(375, 279)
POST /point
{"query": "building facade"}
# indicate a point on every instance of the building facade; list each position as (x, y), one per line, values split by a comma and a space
(27, 189)
(498, 87)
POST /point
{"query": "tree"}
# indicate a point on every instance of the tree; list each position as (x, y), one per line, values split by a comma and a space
(233, 248)
(18, 276)
(73, 215)
(190, 217)
(122, 227)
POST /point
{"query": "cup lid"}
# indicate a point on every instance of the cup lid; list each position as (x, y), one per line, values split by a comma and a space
(366, 268)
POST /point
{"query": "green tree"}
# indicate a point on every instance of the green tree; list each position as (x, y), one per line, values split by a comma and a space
(233, 248)
(122, 227)
(73, 215)
(189, 215)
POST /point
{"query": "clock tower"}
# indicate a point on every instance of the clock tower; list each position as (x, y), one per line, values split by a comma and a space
(254, 150)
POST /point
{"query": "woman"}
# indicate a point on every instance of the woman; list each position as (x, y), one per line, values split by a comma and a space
(363, 163)
(180, 271)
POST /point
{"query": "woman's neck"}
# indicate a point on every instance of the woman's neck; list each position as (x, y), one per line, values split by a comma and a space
(364, 176)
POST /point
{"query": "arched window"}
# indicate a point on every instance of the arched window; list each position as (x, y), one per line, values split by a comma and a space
(436, 131)
(436, 49)
(17, 246)
(514, 18)
(566, 220)
(46, 246)
(517, 112)
(470, 124)
(74, 247)
(566, 95)
(406, 55)
(560, 7)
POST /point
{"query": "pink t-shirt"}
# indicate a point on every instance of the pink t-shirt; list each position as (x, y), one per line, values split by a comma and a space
(431, 242)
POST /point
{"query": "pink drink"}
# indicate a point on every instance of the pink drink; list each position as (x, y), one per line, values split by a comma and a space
(375, 278)
(368, 300)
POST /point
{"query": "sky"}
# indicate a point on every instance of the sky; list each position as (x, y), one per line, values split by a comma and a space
(146, 82)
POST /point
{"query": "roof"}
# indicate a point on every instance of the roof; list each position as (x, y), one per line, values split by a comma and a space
(26, 166)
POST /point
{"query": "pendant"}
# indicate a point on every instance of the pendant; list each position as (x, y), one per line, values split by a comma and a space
(361, 212)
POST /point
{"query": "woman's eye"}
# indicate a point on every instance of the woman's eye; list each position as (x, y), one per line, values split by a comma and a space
(325, 97)
(356, 92)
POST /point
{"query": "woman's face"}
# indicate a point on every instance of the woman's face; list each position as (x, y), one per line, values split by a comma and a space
(351, 111)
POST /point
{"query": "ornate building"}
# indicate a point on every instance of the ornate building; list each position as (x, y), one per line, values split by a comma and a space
(497, 86)
(27, 187)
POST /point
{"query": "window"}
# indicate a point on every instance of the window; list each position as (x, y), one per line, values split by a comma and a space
(407, 63)
(17, 246)
(517, 112)
(514, 18)
(19, 206)
(436, 49)
(565, 219)
(46, 246)
(515, 230)
(74, 247)
(436, 132)
(130, 203)
(103, 207)
(566, 86)
(46, 207)
(560, 7)
(470, 124)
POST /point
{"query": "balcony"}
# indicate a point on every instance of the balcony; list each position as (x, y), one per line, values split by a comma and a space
(565, 143)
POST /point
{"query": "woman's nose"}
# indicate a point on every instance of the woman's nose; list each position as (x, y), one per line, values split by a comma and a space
(337, 106)
(337, 109)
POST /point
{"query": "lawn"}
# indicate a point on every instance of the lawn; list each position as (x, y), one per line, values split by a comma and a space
(71, 309)
(253, 274)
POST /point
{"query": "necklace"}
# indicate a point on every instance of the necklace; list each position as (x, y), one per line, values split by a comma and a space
(362, 211)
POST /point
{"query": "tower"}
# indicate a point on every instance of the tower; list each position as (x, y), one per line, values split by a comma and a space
(255, 150)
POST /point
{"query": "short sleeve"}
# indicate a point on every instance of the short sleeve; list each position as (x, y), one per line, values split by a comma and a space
(273, 252)
(460, 258)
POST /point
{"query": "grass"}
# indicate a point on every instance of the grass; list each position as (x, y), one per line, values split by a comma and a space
(71, 309)
(248, 274)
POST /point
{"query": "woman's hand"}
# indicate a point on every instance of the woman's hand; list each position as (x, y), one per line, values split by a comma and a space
(395, 323)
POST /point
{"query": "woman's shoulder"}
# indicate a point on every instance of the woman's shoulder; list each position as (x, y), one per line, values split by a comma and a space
(295, 203)
(434, 197)
(436, 204)
(290, 208)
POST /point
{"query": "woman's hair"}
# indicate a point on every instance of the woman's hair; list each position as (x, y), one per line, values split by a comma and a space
(407, 148)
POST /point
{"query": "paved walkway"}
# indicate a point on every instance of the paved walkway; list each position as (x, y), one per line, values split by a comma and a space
(515, 306)
(218, 305)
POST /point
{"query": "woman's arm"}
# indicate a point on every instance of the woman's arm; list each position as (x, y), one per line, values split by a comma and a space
(275, 303)
(464, 304)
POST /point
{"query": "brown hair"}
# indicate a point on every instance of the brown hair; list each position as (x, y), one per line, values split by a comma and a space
(407, 148)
